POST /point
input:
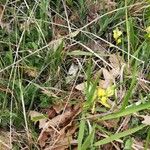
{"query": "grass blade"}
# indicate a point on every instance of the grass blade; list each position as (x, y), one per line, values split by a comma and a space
(81, 133)
(119, 135)
(88, 140)
(147, 143)
(127, 111)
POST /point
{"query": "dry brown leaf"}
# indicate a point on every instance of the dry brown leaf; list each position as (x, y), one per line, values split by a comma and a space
(51, 113)
(116, 62)
(64, 139)
(60, 120)
(107, 75)
(80, 87)
(108, 79)
(57, 127)
(59, 107)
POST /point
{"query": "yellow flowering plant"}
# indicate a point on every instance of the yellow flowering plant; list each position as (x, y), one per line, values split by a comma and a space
(117, 35)
(102, 95)
(97, 94)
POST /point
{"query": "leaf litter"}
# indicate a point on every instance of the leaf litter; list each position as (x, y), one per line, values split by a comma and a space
(58, 128)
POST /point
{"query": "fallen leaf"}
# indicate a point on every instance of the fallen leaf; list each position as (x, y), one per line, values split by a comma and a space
(50, 112)
(64, 138)
(108, 79)
(116, 62)
(80, 87)
(57, 129)
(59, 107)
(61, 119)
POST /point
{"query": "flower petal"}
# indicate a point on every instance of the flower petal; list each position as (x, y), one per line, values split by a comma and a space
(118, 40)
(117, 33)
(101, 92)
(103, 101)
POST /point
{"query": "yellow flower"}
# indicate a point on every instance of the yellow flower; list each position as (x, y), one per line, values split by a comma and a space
(104, 94)
(118, 41)
(101, 92)
(103, 101)
(116, 34)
